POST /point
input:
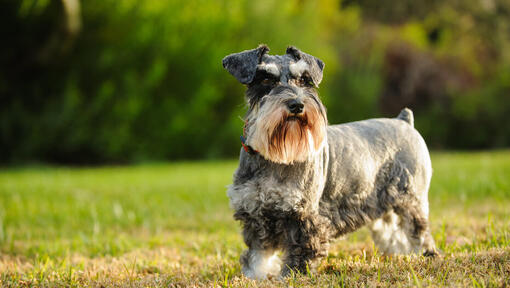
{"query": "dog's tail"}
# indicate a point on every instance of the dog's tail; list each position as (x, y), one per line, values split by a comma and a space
(406, 115)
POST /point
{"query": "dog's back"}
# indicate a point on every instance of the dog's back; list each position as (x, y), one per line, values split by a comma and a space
(372, 164)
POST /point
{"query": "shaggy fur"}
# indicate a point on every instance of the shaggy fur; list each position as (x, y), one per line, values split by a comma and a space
(310, 182)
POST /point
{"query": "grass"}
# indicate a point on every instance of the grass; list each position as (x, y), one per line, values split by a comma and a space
(170, 225)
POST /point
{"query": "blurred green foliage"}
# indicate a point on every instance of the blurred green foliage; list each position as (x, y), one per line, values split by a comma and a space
(121, 81)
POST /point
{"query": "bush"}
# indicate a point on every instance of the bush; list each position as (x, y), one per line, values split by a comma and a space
(142, 80)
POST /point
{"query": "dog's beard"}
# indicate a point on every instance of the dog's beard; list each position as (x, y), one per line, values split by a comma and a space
(285, 138)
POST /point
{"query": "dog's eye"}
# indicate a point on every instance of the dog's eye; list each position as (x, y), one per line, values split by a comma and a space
(306, 81)
(268, 81)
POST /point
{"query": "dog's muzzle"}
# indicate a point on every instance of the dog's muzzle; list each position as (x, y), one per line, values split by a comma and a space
(295, 106)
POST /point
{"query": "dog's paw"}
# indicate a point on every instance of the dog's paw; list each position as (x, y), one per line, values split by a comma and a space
(432, 253)
(262, 266)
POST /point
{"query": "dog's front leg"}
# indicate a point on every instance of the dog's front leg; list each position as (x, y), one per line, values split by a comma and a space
(306, 240)
(261, 260)
(260, 264)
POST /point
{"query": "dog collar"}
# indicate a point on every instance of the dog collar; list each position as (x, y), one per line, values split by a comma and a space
(247, 147)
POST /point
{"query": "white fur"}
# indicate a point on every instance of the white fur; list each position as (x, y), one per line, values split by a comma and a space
(298, 68)
(270, 68)
(262, 264)
(392, 236)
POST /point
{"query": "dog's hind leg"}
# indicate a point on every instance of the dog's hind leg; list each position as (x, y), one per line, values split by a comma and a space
(428, 245)
(403, 230)
(388, 235)
(404, 227)
(415, 224)
(413, 210)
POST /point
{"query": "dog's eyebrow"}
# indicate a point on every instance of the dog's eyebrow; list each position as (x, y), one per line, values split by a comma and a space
(270, 68)
(298, 68)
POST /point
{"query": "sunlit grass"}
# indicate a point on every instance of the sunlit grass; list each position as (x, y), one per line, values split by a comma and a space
(164, 224)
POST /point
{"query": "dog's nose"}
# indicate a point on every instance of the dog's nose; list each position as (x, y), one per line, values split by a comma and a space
(295, 106)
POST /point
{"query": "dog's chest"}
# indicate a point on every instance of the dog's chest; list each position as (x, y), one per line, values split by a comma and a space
(277, 187)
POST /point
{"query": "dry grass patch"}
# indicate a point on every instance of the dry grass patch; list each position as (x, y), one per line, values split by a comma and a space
(169, 225)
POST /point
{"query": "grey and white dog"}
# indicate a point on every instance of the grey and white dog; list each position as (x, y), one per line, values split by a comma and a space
(301, 183)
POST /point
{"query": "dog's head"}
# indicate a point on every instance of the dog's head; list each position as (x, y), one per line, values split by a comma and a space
(286, 121)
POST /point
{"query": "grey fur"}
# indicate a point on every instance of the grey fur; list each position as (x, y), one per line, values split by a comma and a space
(374, 172)
(407, 115)
(243, 65)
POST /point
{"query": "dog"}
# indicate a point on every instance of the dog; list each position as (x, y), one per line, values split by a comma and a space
(301, 183)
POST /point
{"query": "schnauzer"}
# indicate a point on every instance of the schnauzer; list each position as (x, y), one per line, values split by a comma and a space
(300, 183)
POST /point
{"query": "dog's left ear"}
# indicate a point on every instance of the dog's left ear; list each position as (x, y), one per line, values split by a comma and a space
(316, 65)
(243, 65)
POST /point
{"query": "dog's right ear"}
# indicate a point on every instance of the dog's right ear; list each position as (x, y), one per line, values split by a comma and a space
(243, 65)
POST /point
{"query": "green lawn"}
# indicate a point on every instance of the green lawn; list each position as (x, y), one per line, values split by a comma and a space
(170, 224)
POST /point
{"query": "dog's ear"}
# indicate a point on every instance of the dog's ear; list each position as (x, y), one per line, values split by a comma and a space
(316, 65)
(243, 65)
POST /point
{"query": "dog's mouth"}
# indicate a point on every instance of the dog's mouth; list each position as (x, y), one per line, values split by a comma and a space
(301, 118)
